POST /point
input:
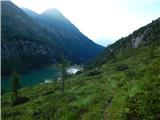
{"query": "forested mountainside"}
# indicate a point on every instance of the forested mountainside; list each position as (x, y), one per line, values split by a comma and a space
(27, 45)
(78, 46)
(123, 86)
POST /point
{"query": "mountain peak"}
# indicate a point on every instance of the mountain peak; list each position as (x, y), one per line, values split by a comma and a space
(52, 12)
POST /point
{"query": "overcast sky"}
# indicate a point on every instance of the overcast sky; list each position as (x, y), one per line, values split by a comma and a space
(103, 21)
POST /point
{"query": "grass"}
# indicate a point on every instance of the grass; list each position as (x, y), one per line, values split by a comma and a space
(124, 94)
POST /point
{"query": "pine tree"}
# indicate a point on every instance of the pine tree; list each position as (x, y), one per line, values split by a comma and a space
(15, 85)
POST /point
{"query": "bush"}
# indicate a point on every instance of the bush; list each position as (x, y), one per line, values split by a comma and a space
(130, 73)
(121, 67)
(145, 104)
(20, 100)
(79, 72)
(93, 72)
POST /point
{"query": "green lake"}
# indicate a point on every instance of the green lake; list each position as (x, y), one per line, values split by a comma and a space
(32, 78)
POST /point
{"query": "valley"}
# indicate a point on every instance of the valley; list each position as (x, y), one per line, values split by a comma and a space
(52, 71)
(106, 92)
(39, 42)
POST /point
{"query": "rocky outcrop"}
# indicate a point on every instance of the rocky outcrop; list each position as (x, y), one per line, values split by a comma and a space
(146, 36)
(136, 41)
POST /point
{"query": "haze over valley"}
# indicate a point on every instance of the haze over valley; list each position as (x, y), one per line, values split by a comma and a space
(101, 19)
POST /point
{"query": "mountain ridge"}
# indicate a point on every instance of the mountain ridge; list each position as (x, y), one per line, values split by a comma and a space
(75, 44)
(121, 85)
(145, 36)
(30, 45)
(23, 46)
(30, 12)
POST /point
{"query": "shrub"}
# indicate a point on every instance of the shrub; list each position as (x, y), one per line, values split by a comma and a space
(15, 85)
(93, 72)
(121, 67)
(20, 100)
(130, 73)
(79, 72)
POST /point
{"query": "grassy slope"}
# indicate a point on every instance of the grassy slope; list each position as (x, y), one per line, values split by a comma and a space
(110, 94)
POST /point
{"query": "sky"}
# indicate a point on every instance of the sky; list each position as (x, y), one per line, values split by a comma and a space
(103, 21)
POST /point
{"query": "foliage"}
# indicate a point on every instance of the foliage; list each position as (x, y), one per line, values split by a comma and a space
(29, 43)
(121, 67)
(115, 95)
(121, 48)
(15, 85)
(20, 100)
(129, 92)
(93, 72)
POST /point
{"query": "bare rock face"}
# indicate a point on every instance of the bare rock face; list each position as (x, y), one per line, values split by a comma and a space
(145, 37)
(136, 41)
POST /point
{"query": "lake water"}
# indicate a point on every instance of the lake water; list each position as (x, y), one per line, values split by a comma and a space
(38, 76)
(33, 77)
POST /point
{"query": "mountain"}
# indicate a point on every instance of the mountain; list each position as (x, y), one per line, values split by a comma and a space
(78, 46)
(124, 85)
(25, 44)
(147, 36)
(30, 12)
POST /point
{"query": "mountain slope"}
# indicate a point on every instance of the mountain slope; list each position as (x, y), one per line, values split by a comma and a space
(30, 12)
(79, 47)
(124, 87)
(25, 44)
(147, 36)
(106, 94)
